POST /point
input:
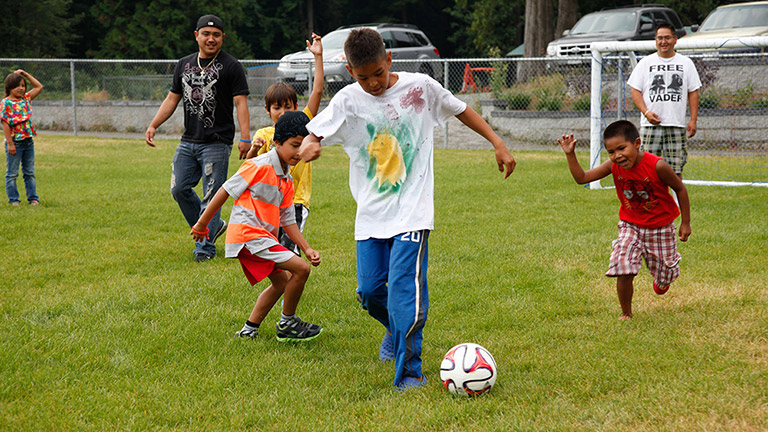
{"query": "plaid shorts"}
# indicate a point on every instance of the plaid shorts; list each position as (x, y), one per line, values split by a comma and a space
(667, 142)
(657, 245)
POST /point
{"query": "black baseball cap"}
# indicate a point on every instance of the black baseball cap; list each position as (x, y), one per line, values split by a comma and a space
(210, 21)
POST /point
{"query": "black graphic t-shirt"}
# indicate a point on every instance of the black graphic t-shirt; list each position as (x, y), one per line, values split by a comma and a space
(207, 95)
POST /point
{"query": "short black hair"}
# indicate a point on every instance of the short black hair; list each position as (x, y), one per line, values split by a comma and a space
(665, 25)
(280, 93)
(289, 125)
(621, 128)
(363, 47)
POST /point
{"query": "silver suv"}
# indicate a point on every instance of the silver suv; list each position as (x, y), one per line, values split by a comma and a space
(620, 24)
(404, 41)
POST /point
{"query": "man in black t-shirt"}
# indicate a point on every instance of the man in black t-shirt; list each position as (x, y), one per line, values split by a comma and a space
(210, 82)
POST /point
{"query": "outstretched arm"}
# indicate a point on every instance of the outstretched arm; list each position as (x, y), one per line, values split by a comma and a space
(668, 176)
(200, 229)
(568, 143)
(504, 158)
(310, 148)
(316, 48)
(295, 234)
(36, 86)
(164, 113)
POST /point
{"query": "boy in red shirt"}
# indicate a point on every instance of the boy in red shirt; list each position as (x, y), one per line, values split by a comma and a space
(647, 212)
(263, 192)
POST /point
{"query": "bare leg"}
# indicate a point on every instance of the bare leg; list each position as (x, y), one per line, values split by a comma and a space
(299, 273)
(625, 289)
(269, 297)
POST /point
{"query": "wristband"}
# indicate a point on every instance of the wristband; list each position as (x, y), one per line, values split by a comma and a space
(202, 233)
(245, 141)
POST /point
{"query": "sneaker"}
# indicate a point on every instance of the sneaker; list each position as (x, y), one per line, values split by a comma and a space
(297, 330)
(387, 349)
(660, 290)
(219, 232)
(410, 382)
(245, 333)
(15, 203)
(200, 257)
(34, 202)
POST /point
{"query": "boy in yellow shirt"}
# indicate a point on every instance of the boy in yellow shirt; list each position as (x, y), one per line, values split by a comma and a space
(280, 98)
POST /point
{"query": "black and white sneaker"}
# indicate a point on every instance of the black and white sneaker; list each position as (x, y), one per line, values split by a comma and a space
(245, 333)
(297, 330)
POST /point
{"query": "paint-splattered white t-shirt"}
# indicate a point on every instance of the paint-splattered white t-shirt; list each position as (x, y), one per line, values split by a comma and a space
(389, 140)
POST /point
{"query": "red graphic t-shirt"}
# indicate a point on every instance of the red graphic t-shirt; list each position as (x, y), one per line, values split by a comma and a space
(645, 199)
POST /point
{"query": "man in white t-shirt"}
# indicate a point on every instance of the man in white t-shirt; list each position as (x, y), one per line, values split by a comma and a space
(661, 84)
(385, 122)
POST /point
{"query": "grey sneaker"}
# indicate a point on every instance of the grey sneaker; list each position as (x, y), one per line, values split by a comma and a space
(245, 333)
(297, 330)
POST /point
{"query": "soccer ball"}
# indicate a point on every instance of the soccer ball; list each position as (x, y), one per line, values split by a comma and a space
(468, 370)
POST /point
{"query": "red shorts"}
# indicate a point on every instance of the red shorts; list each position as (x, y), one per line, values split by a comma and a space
(257, 267)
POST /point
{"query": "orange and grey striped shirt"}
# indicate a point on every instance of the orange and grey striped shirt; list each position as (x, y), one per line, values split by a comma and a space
(263, 195)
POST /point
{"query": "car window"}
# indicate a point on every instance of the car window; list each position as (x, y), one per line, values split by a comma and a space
(335, 39)
(420, 39)
(606, 22)
(673, 19)
(389, 40)
(736, 16)
(404, 40)
(647, 18)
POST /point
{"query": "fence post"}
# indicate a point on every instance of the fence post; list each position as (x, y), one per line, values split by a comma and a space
(74, 98)
(446, 83)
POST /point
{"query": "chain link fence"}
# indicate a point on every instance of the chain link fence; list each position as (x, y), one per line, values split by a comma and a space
(529, 101)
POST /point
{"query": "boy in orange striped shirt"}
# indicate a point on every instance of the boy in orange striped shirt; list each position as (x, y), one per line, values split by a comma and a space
(263, 192)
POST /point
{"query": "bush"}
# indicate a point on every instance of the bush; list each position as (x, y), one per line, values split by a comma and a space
(582, 104)
(709, 100)
(760, 103)
(550, 104)
(519, 101)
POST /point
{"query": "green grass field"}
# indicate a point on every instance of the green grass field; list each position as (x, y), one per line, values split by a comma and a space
(108, 324)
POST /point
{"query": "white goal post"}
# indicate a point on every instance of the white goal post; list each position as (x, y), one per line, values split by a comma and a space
(599, 49)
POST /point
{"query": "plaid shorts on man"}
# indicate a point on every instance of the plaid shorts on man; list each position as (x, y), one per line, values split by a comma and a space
(668, 142)
(657, 245)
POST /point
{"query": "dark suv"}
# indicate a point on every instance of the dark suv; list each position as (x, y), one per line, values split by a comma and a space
(404, 41)
(620, 24)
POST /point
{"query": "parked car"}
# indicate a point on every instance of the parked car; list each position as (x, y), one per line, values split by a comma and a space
(734, 21)
(619, 24)
(404, 41)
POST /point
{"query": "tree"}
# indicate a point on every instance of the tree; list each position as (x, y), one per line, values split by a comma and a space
(35, 28)
(539, 16)
(567, 15)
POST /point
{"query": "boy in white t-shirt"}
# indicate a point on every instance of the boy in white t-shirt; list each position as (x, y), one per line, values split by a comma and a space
(661, 84)
(385, 122)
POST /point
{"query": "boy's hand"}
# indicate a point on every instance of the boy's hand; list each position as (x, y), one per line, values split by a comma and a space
(568, 143)
(257, 144)
(505, 160)
(199, 232)
(685, 231)
(313, 256)
(316, 47)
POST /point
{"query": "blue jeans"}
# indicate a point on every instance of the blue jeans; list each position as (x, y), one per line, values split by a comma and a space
(25, 155)
(191, 163)
(392, 287)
